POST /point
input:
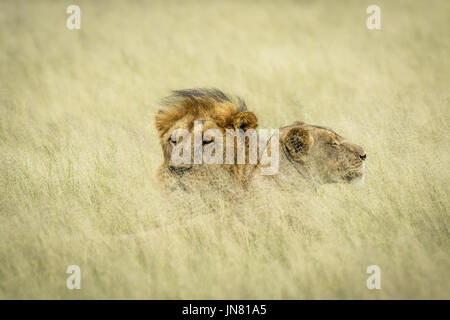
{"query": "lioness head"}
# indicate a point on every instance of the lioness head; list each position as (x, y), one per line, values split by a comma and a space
(321, 154)
(211, 108)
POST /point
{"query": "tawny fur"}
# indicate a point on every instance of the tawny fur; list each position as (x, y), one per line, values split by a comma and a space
(219, 111)
(315, 155)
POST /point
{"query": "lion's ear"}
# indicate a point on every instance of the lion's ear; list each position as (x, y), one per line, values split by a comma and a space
(298, 141)
(244, 120)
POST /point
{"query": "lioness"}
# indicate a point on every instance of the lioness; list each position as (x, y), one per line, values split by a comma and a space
(214, 110)
(316, 155)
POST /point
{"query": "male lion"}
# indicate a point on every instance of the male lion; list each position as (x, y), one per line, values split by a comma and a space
(315, 155)
(214, 110)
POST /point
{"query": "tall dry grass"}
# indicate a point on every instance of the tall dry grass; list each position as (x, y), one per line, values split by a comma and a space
(78, 149)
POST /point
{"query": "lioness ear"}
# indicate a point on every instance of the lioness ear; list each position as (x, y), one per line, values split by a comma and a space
(244, 120)
(298, 141)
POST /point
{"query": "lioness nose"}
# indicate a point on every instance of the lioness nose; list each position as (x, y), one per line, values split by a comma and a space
(363, 156)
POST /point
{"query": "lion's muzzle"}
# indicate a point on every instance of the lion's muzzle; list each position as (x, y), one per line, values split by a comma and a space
(179, 170)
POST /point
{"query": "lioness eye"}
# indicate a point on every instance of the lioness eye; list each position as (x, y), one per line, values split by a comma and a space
(334, 143)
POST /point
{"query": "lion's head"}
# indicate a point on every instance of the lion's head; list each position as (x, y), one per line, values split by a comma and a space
(211, 108)
(320, 154)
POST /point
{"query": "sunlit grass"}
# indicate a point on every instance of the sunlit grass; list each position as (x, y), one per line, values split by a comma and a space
(78, 150)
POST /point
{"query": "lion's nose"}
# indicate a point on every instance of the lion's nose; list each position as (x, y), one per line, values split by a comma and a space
(179, 170)
(363, 156)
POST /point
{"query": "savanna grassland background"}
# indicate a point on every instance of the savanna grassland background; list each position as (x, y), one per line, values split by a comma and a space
(78, 149)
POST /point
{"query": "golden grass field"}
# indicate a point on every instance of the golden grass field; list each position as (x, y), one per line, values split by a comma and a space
(78, 149)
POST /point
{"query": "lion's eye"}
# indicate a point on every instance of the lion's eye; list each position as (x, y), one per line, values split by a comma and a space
(171, 140)
(334, 143)
(207, 142)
